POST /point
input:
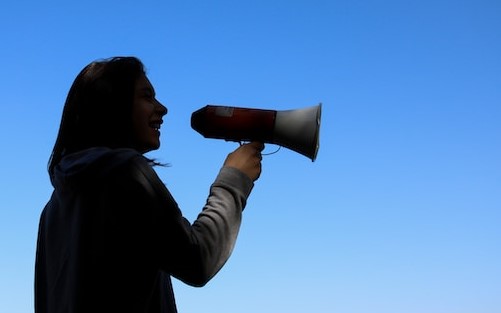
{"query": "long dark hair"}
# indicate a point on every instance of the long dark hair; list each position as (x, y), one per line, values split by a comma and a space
(98, 108)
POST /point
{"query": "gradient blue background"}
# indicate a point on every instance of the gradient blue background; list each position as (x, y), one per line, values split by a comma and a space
(401, 212)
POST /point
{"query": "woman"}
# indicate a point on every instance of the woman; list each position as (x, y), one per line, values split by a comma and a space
(111, 236)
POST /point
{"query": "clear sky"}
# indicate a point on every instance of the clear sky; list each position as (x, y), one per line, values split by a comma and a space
(401, 211)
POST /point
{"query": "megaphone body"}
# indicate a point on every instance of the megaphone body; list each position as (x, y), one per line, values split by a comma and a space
(297, 130)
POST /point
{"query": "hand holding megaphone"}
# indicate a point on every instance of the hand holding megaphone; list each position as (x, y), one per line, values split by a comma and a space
(297, 130)
(247, 158)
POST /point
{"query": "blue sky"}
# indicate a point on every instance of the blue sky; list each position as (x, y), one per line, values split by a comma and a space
(401, 211)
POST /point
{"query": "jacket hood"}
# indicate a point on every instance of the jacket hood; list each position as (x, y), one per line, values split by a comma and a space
(88, 165)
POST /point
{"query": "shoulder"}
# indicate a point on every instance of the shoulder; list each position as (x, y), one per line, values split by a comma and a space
(132, 192)
(133, 171)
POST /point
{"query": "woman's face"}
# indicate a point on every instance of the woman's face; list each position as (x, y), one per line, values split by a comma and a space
(147, 115)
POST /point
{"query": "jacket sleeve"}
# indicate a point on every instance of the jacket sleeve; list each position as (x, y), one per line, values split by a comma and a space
(194, 253)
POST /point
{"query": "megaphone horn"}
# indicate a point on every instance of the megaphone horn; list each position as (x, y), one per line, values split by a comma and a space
(297, 130)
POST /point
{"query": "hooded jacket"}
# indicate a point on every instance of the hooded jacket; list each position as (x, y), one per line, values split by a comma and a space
(111, 235)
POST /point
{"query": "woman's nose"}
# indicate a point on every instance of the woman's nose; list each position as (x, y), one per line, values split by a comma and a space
(161, 108)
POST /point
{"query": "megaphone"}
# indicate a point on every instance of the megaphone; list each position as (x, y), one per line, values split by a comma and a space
(297, 130)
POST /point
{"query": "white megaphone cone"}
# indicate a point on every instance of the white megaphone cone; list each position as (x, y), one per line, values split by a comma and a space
(299, 130)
